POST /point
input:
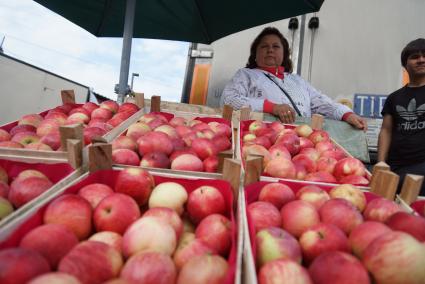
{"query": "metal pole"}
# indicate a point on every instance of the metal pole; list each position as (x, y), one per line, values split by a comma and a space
(300, 50)
(190, 66)
(132, 80)
(123, 88)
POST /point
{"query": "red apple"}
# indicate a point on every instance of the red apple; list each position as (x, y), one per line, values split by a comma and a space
(337, 154)
(79, 110)
(210, 269)
(76, 118)
(125, 157)
(11, 144)
(320, 177)
(324, 146)
(310, 152)
(30, 173)
(215, 231)
(349, 166)
(190, 249)
(53, 241)
(364, 234)
(354, 179)
(155, 141)
(326, 164)
(92, 262)
(4, 135)
(102, 113)
(169, 216)
(19, 265)
(124, 142)
(291, 142)
(55, 278)
(50, 126)
(350, 193)
(111, 105)
(177, 120)
(322, 238)
(408, 223)
(31, 119)
(341, 213)
(206, 133)
(25, 138)
(277, 126)
(298, 216)
(204, 148)
(91, 133)
(220, 128)
(95, 192)
(248, 137)
(90, 106)
(318, 136)
(343, 268)
(305, 143)
(183, 130)
(277, 194)
(380, 209)
(283, 271)
(149, 268)
(169, 130)
(23, 191)
(100, 123)
(281, 168)
(306, 161)
(222, 143)
(177, 153)
(261, 140)
(256, 126)
(395, 257)
(300, 171)
(275, 243)
(115, 213)
(137, 130)
(52, 139)
(128, 107)
(136, 183)
(170, 195)
(22, 128)
(313, 195)
(73, 211)
(155, 160)
(279, 151)
(38, 146)
(200, 126)
(4, 188)
(256, 150)
(263, 215)
(211, 164)
(187, 162)
(204, 201)
(110, 238)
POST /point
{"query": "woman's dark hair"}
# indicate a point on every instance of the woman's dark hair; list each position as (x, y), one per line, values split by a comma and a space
(415, 46)
(286, 63)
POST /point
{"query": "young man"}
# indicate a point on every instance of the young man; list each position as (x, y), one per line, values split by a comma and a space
(402, 138)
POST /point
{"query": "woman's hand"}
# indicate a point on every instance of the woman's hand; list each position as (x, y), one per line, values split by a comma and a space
(356, 121)
(285, 113)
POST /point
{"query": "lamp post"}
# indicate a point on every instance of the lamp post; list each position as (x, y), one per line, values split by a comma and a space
(132, 80)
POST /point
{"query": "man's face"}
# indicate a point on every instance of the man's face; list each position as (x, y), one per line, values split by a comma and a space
(415, 64)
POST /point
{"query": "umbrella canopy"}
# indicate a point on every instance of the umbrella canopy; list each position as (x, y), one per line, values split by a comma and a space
(200, 21)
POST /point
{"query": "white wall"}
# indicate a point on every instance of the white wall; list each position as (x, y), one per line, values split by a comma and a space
(25, 89)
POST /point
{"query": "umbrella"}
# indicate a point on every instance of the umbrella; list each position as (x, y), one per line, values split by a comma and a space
(200, 21)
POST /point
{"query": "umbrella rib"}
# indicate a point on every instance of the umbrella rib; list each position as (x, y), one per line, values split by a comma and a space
(105, 10)
(204, 29)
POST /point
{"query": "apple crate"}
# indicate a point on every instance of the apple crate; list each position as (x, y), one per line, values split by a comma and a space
(13, 233)
(261, 151)
(126, 151)
(252, 194)
(41, 180)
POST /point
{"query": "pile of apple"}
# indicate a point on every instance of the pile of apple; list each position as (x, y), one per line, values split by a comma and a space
(41, 132)
(131, 232)
(317, 236)
(300, 153)
(179, 144)
(27, 185)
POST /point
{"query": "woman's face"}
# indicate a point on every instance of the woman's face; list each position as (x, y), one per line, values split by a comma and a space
(269, 52)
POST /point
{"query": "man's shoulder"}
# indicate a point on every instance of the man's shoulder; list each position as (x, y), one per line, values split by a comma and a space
(398, 92)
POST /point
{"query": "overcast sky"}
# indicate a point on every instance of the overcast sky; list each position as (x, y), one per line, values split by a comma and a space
(40, 37)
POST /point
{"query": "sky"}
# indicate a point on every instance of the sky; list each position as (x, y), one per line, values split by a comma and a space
(34, 34)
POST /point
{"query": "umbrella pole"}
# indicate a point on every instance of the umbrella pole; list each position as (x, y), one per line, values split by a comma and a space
(123, 88)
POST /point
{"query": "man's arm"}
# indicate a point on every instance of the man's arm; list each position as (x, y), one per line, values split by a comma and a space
(384, 138)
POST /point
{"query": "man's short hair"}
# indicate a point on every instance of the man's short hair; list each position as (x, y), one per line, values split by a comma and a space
(415, 46)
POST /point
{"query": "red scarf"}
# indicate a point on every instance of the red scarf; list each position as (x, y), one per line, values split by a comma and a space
(278, 72)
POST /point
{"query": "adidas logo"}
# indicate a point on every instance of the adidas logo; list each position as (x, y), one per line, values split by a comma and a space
(412, 112)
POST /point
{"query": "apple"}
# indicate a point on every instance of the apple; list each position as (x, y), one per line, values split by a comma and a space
(24, 190)
(95, 192)
(220, 128)
(135, 182)
(177, 120)
(50, 126)
(380, 209)
(73, 211)
(76, 118)
(395, 257)
(55, 278)
(65, 108)
(256, 150)
(337, 154)
(155, 141)
(149, 268)
(310, 152)
(248, 137)
(183, 130)
(128, 107)
(277, 194)
(124, 142)
(349, 166)
(305, 143)
(5, 207)
(125, 157)
(111, 105)
(110, 238)
(52, 241)
(187, 162)
(169, 130)
(189, 250)
(350, 193)
(11, 144)
(263, 215)
(4, 189)
(313, 195)
(211, 164)
(169, 216)
(91, 133)
(118, 118)
(148, 117)
(4, 135)
(203, 201)
(3, 175)
(115, 213)
(277, 126)
(31, 119)
(193, 122)
(326, 164)
(283, 271)
(206, 133)
(322, 238)
(210, 269)
(92, 262)
(324, 146)
(90, 106)
(300, 171)
(291, 142)
(25, 138)
(344, 268)
(275, 243)
(22, 128)
(149, 234)
(200, 126)
(256, 126)
(318, 136)
(341, 213)
(38, 146)
(30, 173)
(222, 143)
(60, 117)
(261, 140)
(408, 223)
(306, 161)
(53, 140)
(320, 177)
(298, 216)
(137, 130)
(364, 234)
(215, 231)
(188, 138)
(102, 113)
(177, 153)
(100, 123)
(170, 195)
(354, 179)
(19, 265)
(156, 122)
(303, 130)
(79, 110)
(204, 148)
(281, 168)
(155, 160)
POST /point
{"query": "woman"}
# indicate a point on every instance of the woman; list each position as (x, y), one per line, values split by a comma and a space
(267, 84)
